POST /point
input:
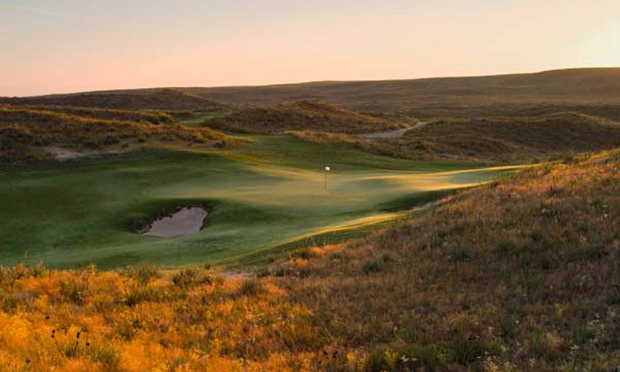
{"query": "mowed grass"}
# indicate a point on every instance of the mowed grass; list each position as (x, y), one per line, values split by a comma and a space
(269, 193)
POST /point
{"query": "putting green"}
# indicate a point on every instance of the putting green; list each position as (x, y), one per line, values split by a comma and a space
(266, 194)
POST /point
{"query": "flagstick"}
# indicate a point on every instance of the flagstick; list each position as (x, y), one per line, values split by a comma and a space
(327, 170)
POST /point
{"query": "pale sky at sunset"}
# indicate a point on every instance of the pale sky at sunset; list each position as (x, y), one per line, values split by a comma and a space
(77, 45)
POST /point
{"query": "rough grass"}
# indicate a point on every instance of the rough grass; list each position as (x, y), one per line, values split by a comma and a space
(520, 275)
(588, 86)
(27, 134)
(515, 139)
(152, 99)
(302, 115)
(150, 117)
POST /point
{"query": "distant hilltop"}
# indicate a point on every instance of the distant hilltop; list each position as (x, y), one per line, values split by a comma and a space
(568, 86)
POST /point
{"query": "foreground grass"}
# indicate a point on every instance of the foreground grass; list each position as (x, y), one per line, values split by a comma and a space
(519, 275)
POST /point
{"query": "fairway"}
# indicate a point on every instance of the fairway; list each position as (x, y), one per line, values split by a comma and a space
(268, 193)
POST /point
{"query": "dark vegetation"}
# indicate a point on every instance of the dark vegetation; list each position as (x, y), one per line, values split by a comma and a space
(28, 134)
(597, 87)
(513, 139)
(148, 117)
(589, 86)
(492, 139)
(302, 115)
(152, 99)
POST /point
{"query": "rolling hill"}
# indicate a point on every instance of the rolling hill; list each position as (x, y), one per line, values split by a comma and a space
(159, 99)
(28, 134)
(302, 115)
(592, 86)
(498, 139)
(585, 86)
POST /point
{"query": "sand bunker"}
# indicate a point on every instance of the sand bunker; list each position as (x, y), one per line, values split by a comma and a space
(184, 222)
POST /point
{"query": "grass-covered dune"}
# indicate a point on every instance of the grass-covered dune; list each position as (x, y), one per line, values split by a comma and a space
(583, 86)
(610, 112)
(302, 115)
(28, 134)
(432, 96)
(153, 99)
(518, 275)
(142, 116)
(514, 139)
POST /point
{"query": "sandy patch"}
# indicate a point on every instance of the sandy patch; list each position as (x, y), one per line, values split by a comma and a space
(60, 153)
(63, 153)
(393, 133)
(184, 222)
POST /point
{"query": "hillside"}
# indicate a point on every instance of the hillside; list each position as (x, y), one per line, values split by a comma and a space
(302, 115)
(569, 87)
(520, 274)
(572, 86)
(150, 117)
(28, 134)
(515, 139)
(155, 99)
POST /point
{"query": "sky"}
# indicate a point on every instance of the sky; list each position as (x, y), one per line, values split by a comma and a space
(57, 46)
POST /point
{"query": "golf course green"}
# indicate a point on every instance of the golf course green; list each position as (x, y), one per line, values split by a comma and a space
(270, 192)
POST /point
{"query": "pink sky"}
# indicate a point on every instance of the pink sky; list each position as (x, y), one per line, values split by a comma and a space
(71, 45)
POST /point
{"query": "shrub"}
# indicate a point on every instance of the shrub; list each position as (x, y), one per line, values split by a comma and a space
(73, 290)
(583, 334)
(138, 294)
(467, 351)
(412, 358)
(186, 278)
(105, 354)
(505, 247)
(614, 296)
(461, 253)
(252, 287)
(142, 272)
(373, 266)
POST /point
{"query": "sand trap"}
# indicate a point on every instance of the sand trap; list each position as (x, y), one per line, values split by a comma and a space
(184, 222)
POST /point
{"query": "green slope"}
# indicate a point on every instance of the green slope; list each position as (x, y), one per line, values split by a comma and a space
(270, 193)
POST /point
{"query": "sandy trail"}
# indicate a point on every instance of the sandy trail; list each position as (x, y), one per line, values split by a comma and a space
(184, 222)
(393, 133)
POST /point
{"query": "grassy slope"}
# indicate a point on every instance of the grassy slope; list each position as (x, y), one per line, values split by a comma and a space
(513, 139)
(150, 117)
(263, 195)
(575, 86)
(518, 275)
(585, 87)
(27, 133)
(156, 99)
(302, 115)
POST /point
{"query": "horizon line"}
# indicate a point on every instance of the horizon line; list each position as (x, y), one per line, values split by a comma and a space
(303, 82)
